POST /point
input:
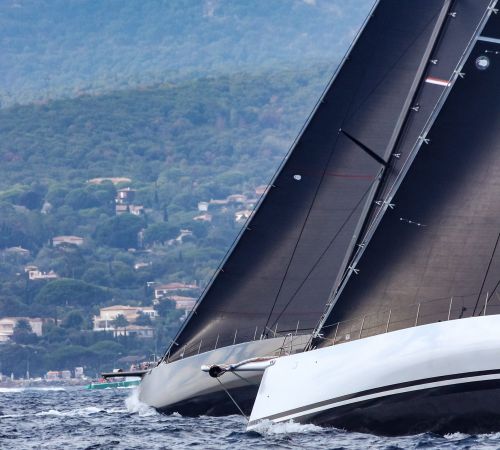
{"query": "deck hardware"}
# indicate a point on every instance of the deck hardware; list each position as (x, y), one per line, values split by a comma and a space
(361, 329)
(449, 309)
(388, 321)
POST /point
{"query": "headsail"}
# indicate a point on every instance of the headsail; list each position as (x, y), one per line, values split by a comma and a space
(282, 269)
(436, 254)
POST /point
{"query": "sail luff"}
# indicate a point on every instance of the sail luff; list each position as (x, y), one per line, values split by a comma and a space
(248, 221)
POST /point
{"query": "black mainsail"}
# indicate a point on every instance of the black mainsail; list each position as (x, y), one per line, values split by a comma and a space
(295, 248)
(435, 254)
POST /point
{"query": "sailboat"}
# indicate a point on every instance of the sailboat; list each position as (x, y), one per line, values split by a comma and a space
(266, 297)
(410, 339)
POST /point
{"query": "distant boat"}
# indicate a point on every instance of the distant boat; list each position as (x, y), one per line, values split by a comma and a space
(113, 384)
(410, 339)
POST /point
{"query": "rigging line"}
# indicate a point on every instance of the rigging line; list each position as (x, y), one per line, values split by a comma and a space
(344, 119)
(313, 201)
(486, 274)
(292, 297)
(232, 399)
(403, 53)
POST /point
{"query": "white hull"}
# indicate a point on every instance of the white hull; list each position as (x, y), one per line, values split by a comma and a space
(181, 386)
(440, 377)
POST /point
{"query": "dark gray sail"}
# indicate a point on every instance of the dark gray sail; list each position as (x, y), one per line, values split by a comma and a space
(282, 269)
(435, 255)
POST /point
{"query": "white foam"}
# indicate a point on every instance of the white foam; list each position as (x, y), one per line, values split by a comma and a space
(134, 405)
(268, 428)
(89, 410)
(11, 390)
(46, 388)
(456, 436)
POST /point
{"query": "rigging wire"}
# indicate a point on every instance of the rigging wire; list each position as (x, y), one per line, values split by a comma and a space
(486, 275)
(232, 399)
(292, 297)
(348, 116)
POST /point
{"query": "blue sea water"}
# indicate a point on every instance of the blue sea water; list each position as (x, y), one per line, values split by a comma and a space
(74, 418)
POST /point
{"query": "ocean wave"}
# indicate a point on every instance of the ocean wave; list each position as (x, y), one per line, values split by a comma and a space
(134, 405)
(11, 390)
(87, 411)
(268, 428)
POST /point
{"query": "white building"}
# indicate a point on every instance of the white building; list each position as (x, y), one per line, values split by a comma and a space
(7, 325)
(104, 321)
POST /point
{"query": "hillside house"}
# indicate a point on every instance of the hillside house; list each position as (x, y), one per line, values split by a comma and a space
(203, 218)
(38, 275)
(114, 180)
(203, 206)
(18, 251)
(67, 240)
(242, 216)
(104, 321)
(261, 190)
(7, 325)
(181, 302)
(163, 290)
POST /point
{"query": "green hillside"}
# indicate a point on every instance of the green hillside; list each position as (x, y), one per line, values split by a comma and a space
(179, 144)
(54, 48)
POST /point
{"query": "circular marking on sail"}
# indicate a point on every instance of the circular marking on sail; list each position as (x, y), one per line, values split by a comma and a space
(482, 62)
(297, 177)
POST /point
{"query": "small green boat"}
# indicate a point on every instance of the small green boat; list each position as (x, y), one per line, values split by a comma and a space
(104, 384)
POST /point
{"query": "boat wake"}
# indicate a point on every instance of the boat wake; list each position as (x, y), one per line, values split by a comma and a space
(134, 405)
(268, 428)
(29, 388)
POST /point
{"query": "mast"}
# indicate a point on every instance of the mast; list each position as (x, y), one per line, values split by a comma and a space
(419, 255)
(285, 263)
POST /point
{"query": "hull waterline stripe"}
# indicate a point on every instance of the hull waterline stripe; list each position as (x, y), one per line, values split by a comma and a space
(407, 384)
(488, 39)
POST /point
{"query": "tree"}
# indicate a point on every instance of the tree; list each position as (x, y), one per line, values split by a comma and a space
(23, 326)
(67, 292)
(143, 319)
(120, 321)
(73, 320)
(23, 333)
(160, 233)
(120, 231)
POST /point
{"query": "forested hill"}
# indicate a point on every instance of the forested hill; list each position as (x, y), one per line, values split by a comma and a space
(178, 144)
(55, 48)
(226, 133)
